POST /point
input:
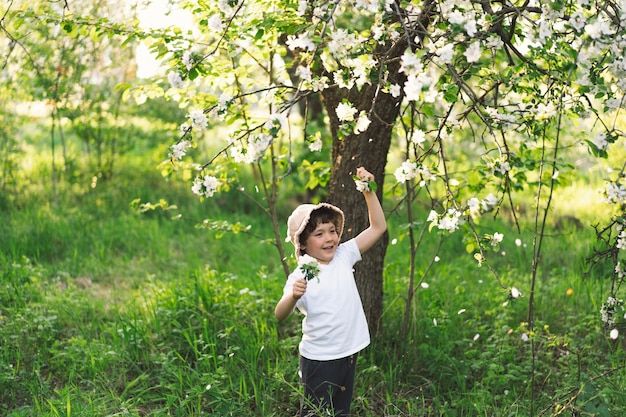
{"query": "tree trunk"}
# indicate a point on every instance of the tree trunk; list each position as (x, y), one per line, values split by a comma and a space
(368, 149)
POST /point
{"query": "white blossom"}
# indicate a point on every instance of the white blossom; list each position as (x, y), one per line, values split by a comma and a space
(258, 144)
(470, 27)
(205, 186)
(316, 145)
(372, 6)
(474, 207)
(496, 239)
(319, 84)
(226, 6)
(302, 5)
(187, 60)
(615, 193)
(597, 29)
(456, 17)
(600, 141)
(304, 73)
(238, 153)
(178, 150)
(395, 90)
(418, 137)
(362, 123)
(175, 79)
(446, 53)
(472, 54)
(411, 64)
(224, 100)
(406, 172)
(341, 43)
(494, 42)
(489, 202)
(345, 112)
(360, 69)
(621, 241)
(362, 185)
(503, 167)
(545, 111)
(199, 120)
(301, 42)
(215, 23)
(276, 120)
(343, 79)
(609, 308)
(450, 221)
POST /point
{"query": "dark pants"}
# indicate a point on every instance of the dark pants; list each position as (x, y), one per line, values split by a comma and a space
(328, 386)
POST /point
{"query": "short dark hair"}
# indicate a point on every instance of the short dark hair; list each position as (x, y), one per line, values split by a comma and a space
(318, 216)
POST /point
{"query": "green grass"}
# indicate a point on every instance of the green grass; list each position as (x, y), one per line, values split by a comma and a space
(105, 311)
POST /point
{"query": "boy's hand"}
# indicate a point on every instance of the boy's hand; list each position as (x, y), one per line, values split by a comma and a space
(299, 288)
(364, 175)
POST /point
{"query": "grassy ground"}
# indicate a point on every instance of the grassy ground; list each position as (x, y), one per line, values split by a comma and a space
(108, 312)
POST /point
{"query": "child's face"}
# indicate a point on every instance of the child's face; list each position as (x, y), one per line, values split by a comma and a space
(322, 243)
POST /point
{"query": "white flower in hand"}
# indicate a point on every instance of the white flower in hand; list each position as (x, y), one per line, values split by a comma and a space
(364, 184)
(310, 267)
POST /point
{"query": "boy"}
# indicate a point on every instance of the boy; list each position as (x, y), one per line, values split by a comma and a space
(334, 328)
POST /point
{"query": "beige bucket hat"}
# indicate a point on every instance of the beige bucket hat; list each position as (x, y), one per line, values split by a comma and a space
(299, 218)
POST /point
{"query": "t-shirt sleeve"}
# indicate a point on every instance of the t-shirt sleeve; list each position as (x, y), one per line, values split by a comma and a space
(352, 251)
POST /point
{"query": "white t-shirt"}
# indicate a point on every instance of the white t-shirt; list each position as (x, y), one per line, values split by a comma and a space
(334, 324)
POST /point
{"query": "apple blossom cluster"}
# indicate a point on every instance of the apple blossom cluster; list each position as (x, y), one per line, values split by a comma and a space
(175, 79)
(502, 119)
(453, 218)
(448, 221)
(205, 186)
(257, 143)
(347, 114)
(362, 186)
(610, 308)
(309, 266)
(199, 120)
(600, 141)
(621, 239)
(418, 79)
(409, 170)
(316, 145)
(499, 166)
(344, 53)
(614, 193)
(256, 146)
(179, 150)
(496, 239)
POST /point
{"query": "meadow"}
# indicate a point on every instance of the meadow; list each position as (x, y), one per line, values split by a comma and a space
(106, 310)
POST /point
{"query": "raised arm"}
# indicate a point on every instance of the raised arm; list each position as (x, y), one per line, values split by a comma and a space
(378, 225)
